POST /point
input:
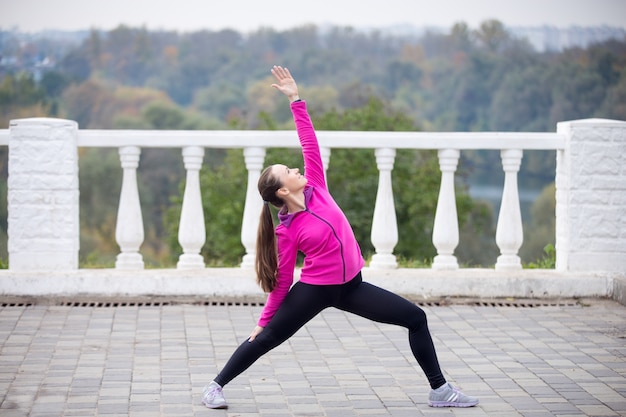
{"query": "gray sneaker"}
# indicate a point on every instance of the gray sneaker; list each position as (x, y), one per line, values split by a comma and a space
(213, 397)
(450, 396)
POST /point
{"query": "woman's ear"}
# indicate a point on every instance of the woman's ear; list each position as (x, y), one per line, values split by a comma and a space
(282, 192)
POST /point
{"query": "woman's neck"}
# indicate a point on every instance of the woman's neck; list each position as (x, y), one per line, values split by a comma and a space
(295, 203)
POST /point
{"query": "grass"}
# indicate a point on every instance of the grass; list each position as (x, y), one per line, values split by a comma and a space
(548, 261)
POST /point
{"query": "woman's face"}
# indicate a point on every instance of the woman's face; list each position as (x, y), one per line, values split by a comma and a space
(290, 178)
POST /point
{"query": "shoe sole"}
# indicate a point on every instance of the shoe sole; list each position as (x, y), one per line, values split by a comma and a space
(451, 404)
(215, 407)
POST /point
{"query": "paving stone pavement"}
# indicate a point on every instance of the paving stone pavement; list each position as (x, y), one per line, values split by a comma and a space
(567, 359)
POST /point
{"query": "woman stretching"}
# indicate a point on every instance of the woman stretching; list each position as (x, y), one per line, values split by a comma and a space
(311, 222)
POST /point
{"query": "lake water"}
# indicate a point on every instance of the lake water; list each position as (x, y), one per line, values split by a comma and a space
(493, 195)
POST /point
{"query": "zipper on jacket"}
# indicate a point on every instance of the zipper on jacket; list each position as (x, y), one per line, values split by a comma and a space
(343, 261)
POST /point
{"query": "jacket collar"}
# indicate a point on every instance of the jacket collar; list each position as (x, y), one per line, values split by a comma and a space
(286, 218)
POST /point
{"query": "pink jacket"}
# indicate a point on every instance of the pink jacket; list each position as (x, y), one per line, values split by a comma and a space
(322, 232)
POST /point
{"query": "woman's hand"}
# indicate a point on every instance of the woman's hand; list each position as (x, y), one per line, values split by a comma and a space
(255, 333)
(285, 83)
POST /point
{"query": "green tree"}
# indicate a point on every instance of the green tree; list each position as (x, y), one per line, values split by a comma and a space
(223, 189)
(577, 90)
(541, 230)
(356, 174)
(164, 116)
(220, 101)
(415, 180)
(461, 37)
(464, 80)
(352, 178)
(19, 95)
(54, 83)
(84, 103)
(614, 105)
(522, 101)
(493, 36)
(100, 178)
(477, 244)
(76, 65)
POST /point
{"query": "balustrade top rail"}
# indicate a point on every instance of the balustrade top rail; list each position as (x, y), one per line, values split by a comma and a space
(331, 139)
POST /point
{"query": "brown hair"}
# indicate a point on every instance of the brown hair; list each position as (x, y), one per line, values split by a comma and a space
(266, 251)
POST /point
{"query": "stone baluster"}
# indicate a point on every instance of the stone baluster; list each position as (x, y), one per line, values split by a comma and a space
(254, 158)
(129, 228)
(509, 232)
(384, 225)
(446, 226)
(191, 230)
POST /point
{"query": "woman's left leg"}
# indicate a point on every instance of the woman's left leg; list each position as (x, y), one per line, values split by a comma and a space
(378, 304)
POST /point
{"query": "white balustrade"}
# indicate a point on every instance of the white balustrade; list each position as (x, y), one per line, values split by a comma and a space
(325, 153)
(583, 147)
(509, 232)
(384, 224)
(446, 226)
(254, 158)
(191, 230)
(129, 228)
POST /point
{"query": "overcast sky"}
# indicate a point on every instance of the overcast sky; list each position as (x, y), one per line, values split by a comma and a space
(247, 15)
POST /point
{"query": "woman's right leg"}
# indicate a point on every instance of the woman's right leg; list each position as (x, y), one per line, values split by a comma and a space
(303, 302)
(378, 304)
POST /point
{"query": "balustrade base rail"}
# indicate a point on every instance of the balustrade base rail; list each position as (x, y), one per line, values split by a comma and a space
(239, 284)
(44, 229)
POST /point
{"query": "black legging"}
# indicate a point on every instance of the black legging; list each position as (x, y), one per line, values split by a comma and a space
(305, 301)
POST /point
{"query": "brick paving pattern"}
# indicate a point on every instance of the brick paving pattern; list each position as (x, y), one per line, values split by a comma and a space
(145, 361)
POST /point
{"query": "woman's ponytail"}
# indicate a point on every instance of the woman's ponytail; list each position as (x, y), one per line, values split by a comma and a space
(266, 251)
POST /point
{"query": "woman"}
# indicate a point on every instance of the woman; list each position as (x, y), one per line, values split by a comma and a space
(311, 222)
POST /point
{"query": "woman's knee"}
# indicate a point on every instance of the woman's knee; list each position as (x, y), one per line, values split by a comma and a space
(418, 319)
(270, 338)
(266, 338)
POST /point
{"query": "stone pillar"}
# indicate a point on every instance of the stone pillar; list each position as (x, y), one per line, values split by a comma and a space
(43, 221)
(591, 196)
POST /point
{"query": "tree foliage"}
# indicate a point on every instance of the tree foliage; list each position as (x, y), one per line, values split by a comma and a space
(223, 188)
(464, 80)
(353, 181)
(540, 230)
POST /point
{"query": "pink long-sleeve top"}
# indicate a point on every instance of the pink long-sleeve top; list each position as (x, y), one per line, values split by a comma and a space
(321, 232)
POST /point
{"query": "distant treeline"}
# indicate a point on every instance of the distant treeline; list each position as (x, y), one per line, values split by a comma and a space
(465, 80)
